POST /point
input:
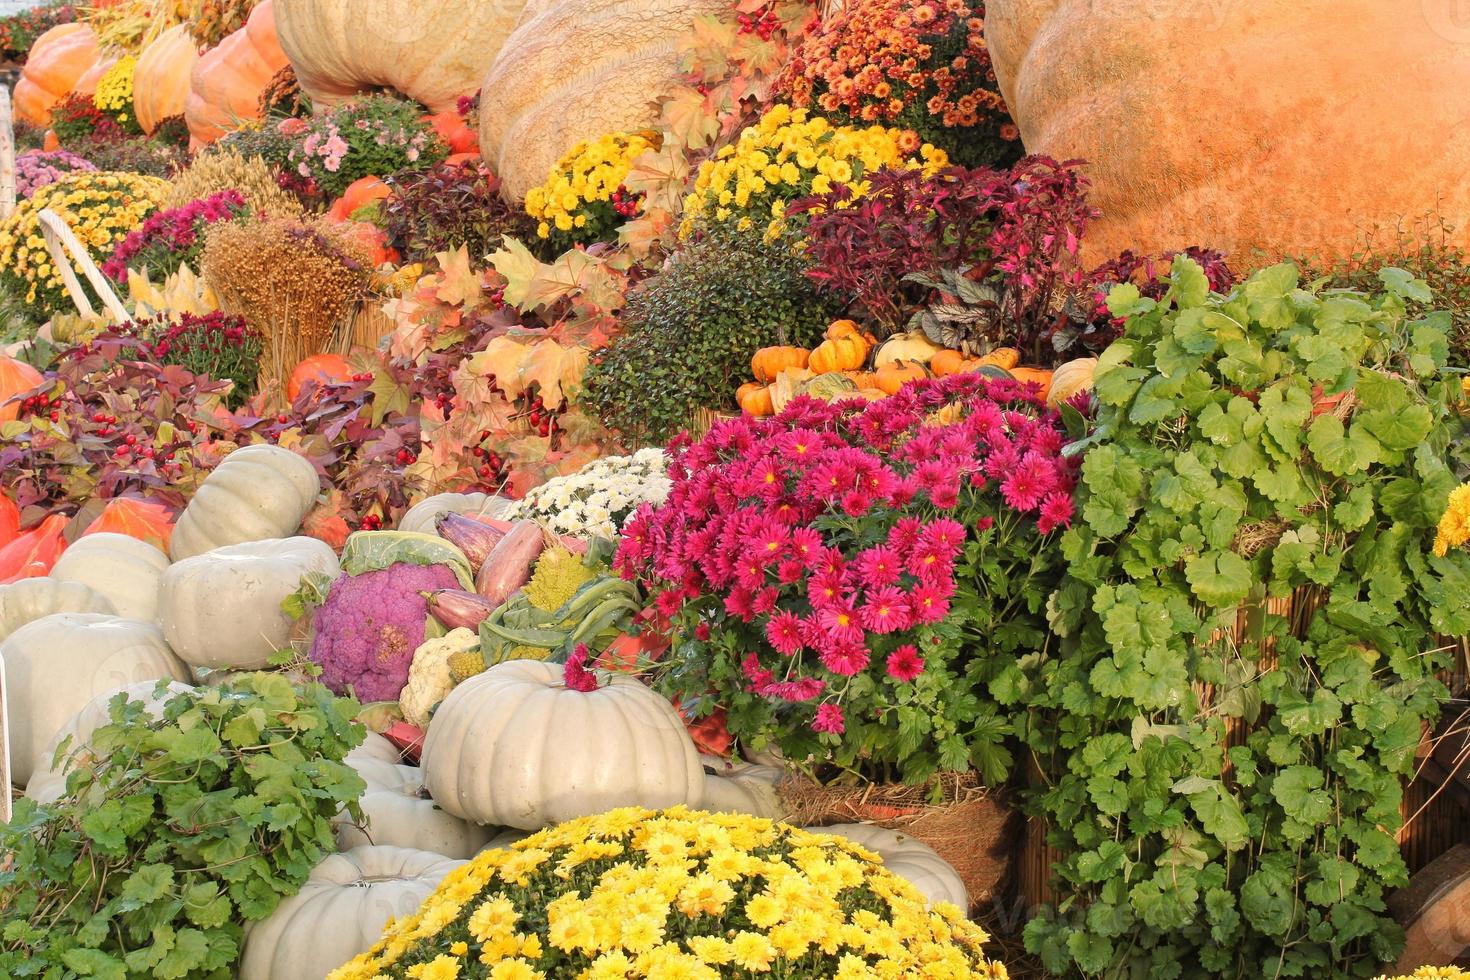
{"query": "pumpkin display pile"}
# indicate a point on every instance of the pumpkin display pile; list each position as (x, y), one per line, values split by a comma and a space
(713, 489)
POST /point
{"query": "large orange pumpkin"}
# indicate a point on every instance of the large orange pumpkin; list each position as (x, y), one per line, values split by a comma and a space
(87, 84)
(1209, 124)
(321, 368)
(57, 60)
(455, 132)
(360, 192)
(227, 81)
(15, 377)
(161, 80)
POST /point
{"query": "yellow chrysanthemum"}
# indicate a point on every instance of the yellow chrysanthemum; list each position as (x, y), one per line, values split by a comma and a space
(579, 192)
(1454, 526)
(677, 895)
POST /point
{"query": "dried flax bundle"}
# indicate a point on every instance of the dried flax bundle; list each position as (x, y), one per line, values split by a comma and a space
(297, 280)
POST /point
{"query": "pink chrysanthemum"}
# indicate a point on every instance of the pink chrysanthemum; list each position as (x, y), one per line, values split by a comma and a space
(905, 664)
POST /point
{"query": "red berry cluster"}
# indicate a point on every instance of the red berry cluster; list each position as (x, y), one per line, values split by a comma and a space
(492, 466)
(766, 24)
(370, 522)
(41, 405)
(626, 204)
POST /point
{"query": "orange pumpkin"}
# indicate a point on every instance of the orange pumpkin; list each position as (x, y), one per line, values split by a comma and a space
(948, 362)
(1040, 376)
(161, 80)
(321, 368)
(892, 377)
(32, 553)
(461, 159)
(771, 361)
(227, 81)
(863, 379)
(1076, 77)
(455, 132)
(9, 520)
(360, 192)
(57, 60)
(755, 399)
(844, 353)
(50, 142)
(16, 377)
(87, 84)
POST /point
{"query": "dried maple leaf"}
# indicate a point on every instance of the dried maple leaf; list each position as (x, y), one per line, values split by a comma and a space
(557, 369)
(458, 284)
(661, 175)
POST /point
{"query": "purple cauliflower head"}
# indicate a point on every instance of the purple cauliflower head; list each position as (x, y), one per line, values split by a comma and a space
(370, 625)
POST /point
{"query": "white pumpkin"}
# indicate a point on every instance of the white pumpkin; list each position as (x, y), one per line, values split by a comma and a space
(31, 599)
(55, 665)
(340, 912)
(403, 816)
(118, 566)
(741, 787)
(258, 492)
(375, 746)
(421, 516)
(909, 858)
(48, 782)
(222, 609)
(515, 747)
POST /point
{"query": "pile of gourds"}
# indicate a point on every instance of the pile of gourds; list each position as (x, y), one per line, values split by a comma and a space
(850, 363)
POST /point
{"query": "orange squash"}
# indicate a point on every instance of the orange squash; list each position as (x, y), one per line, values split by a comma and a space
(843, 353)
(147, 520)
(87, 84)
(863, 379)
(360, 192)
(771, 361)
(321, 368)
(58, 59)
(754, 398)
(1076, 77)
(32, 553)
(1040, 376)
(15, 377)
(892, 377)
(227, 81)
(9, 520)
(161, 80)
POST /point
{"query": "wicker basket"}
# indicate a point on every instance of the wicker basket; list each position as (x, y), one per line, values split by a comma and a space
(971, 828)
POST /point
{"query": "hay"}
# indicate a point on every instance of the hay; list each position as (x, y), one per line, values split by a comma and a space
(971, 827)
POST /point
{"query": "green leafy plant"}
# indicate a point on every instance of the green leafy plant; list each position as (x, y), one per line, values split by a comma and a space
(176, 831)
(691, 331)
(1248, 631)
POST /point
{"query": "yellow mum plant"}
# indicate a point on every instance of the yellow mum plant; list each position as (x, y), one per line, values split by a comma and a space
(583, 199)
(791, 154)
(101, 208)
(114, 94)
(1435, 973)
(1454, 526)
(676, 894)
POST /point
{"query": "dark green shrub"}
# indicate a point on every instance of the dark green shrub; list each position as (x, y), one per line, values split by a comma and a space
(691, 331)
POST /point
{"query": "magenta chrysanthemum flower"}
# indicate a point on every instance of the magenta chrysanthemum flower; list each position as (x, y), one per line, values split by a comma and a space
(839, 620)
(829, 719)
(905, 664)
(783, 632)
(929, 603)
(846, 659)
(886, 611)
(1056, 511)
(878, 566)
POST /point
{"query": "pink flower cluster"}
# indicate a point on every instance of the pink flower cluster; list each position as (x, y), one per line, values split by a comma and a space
(831, 534)
(170, 238)
(35, 169)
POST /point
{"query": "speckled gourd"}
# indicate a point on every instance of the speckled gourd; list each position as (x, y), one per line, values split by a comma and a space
(575, 70)
(515, 747)
(55, 665)
(258, 492)
(123, 569)
(340, 912)
(1241, 124)
(428, 50)
(222, 609)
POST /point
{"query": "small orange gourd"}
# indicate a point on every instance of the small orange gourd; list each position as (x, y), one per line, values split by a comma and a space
(15, 377)
(863, 379)
(844, 353)
(771, 361)
(754, 398)
(892, 377)
(1040, 376)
